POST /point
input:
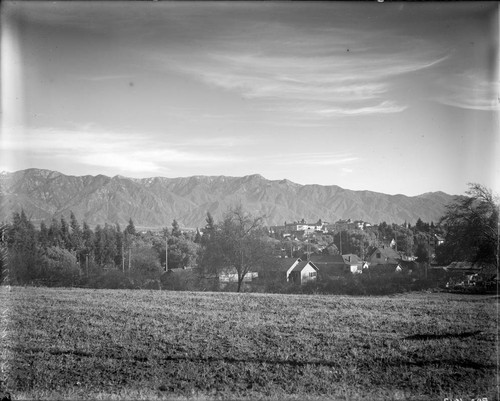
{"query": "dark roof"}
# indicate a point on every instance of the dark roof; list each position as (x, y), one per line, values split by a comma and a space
(387, 253)
(351, 258)
(409, 264)
(324, 259)
(303, 264)
(283, 264)
(467, 266)
(329, 264)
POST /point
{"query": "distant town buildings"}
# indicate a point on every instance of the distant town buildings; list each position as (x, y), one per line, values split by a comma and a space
(302, 228)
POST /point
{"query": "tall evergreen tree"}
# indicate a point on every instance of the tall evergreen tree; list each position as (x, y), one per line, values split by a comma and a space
(197, 238)
(88, 245)
(130, 229)
(110, 250)
(176, 232)
(43, 236)
(119, 246)
(55, 237)
(4, 270)
(23, 249)
(99, 245)
(65, 234)
(208, 230)
(76, 239)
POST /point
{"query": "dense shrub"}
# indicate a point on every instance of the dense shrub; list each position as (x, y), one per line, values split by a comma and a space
(112, 279)
(423, 284)
(277, 287)
(385, 284)
(58, 267)
(181, 280)
(145, 261)
(53, 266)
(360, 285)
(152, 284)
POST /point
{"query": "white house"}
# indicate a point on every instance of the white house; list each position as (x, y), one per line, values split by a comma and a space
(291, 270)
(232, 276)
(303, 272)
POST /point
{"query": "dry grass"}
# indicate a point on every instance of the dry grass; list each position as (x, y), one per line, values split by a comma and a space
(122, 344)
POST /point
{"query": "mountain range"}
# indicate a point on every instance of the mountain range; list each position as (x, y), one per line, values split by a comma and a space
(156, 202)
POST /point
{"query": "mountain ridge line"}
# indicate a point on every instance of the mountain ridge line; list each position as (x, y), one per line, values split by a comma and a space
(155, 201)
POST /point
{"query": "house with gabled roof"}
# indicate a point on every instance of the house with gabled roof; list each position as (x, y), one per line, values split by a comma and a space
(385, 260)
(354, 262)
(303, 272)
(290, 270)
(439, 240)
(384, 255)
(279, 269)
(330, 265)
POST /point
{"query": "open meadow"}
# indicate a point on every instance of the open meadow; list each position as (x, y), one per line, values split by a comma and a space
(139, 344)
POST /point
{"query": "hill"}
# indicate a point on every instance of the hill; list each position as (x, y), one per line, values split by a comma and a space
(155, 202)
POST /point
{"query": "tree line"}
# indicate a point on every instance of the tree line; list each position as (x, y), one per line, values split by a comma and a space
(69, 253)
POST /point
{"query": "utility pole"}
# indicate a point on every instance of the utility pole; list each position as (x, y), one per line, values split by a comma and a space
(428, 255)
(166, 253)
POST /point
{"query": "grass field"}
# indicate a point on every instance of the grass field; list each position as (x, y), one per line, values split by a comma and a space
(122, 344)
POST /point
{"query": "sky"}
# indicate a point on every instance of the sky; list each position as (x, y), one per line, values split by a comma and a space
(396, 97)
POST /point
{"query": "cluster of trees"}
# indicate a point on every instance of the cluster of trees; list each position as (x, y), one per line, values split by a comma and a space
(69, 254)
(471, 227)
(72, 254)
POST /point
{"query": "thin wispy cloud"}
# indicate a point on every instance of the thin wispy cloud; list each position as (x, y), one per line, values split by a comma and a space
(119, 151)
(340, 83)
(385, 107)
(315, 159)
(468, 90)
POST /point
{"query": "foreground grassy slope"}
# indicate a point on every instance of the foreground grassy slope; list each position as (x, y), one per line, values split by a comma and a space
(111, 344)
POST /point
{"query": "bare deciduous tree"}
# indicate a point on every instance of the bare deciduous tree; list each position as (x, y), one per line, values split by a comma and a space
(239, 244)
